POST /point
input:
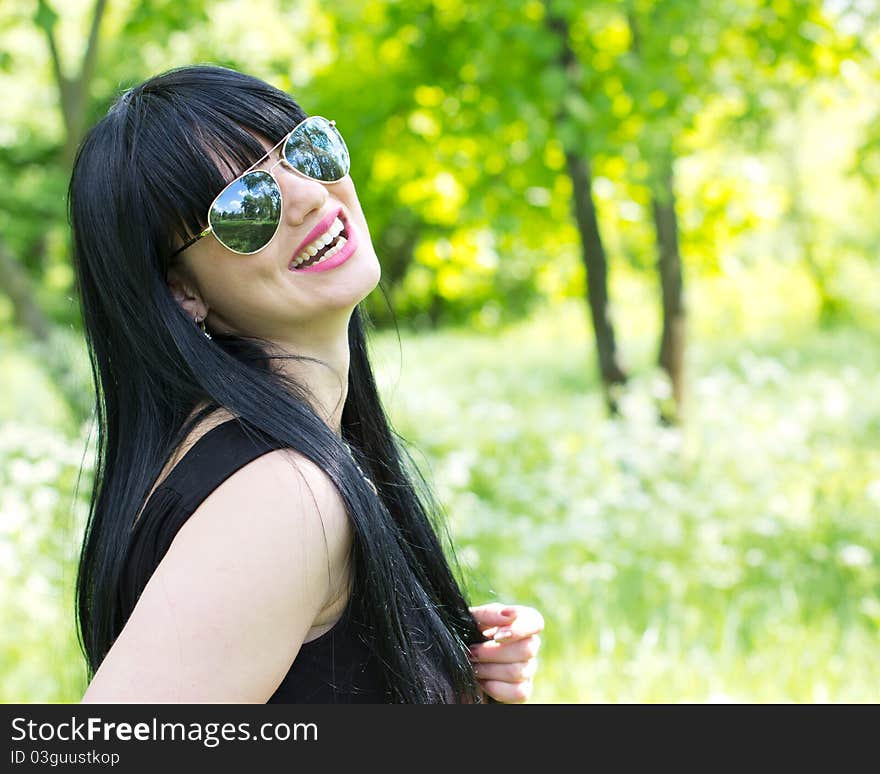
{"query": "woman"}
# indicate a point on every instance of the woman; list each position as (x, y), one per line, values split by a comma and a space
(254, 534)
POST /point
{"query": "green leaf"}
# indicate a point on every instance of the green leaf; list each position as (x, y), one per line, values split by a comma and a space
(45, 16)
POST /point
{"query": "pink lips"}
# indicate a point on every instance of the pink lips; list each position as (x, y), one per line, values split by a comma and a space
(340, 257)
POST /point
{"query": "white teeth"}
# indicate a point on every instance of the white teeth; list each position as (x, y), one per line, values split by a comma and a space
(329, 254)
(325, 239)
(335, 249)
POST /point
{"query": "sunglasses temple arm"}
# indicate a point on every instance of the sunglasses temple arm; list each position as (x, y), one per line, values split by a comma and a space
(192, 241)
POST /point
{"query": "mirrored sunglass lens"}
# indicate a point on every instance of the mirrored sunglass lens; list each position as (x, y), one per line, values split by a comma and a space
(246, 214)
(317, 149)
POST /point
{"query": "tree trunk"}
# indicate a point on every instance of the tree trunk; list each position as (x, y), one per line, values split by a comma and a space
(17, 286)
(672, 339)
(593, 250)
(596, 265)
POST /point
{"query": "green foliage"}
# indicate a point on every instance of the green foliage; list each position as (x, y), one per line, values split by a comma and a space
(458, 114)
(40, 534)
(736, 558)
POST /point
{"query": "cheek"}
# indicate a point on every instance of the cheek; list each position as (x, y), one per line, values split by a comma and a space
(361, 221)
(234, 283)
(348, 195)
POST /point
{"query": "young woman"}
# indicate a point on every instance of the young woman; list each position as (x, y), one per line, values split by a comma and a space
(254, 532)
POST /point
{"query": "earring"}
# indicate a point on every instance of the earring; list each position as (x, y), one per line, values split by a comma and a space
(201, 324)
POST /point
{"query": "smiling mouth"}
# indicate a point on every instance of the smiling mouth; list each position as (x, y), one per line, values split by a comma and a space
(324, 246)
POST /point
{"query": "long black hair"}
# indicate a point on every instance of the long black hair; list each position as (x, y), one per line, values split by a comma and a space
(148, 171)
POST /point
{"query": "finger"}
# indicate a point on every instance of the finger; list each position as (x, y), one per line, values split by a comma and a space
(493, 614)
(506, 652)
(527, 622)
(507, 636)
(518, 621)
(508, 693)
(515, 672)
(514, 632)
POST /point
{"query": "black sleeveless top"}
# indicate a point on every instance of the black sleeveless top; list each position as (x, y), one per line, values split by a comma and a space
(337, 667)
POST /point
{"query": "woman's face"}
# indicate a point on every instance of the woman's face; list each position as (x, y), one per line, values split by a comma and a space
(262, 294)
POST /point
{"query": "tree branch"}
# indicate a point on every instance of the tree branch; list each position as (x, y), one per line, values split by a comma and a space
(45, 19)
(90, 57)
(73, 91)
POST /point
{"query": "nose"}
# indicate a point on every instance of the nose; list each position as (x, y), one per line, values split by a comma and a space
(301, 195)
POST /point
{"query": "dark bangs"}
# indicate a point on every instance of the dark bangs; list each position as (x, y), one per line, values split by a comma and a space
(192, 135)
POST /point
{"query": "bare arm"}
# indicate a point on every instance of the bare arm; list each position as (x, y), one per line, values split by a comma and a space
(228, 607)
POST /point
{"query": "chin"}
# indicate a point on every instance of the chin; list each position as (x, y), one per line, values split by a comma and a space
(369, 272)
(357, 278)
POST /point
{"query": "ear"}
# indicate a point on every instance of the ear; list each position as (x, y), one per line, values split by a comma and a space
(187, 295)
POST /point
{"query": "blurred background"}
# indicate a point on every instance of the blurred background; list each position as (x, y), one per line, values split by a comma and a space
(632, 251)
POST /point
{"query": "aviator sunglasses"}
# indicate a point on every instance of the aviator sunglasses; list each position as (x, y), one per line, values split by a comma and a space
(246, 214)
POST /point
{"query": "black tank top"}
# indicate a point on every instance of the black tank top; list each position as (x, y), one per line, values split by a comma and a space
(337, 667)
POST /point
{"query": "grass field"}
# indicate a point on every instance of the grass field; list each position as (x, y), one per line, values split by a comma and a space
(734, 559)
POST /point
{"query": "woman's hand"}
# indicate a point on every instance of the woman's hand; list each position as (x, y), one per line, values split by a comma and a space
(505, 666)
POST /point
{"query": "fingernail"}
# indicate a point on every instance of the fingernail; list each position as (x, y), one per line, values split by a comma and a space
(508, 612)
(504, 634)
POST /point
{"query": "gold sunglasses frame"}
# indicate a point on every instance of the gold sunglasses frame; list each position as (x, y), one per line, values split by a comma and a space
(252, 168)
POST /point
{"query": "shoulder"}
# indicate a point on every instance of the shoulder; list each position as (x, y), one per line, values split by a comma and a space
(281, 495)
(280, 522)
(225, 612)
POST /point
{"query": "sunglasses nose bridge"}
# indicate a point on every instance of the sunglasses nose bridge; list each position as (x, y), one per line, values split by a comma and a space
(285, 164)
(290, 169)
(281, 162)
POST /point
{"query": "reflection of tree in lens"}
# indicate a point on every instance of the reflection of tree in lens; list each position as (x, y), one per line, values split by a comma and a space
(317, 149)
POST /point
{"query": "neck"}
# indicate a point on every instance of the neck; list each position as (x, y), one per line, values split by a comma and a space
(326, 381)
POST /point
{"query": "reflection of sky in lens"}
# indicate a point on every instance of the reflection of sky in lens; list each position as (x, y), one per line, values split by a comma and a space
(254, 198)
